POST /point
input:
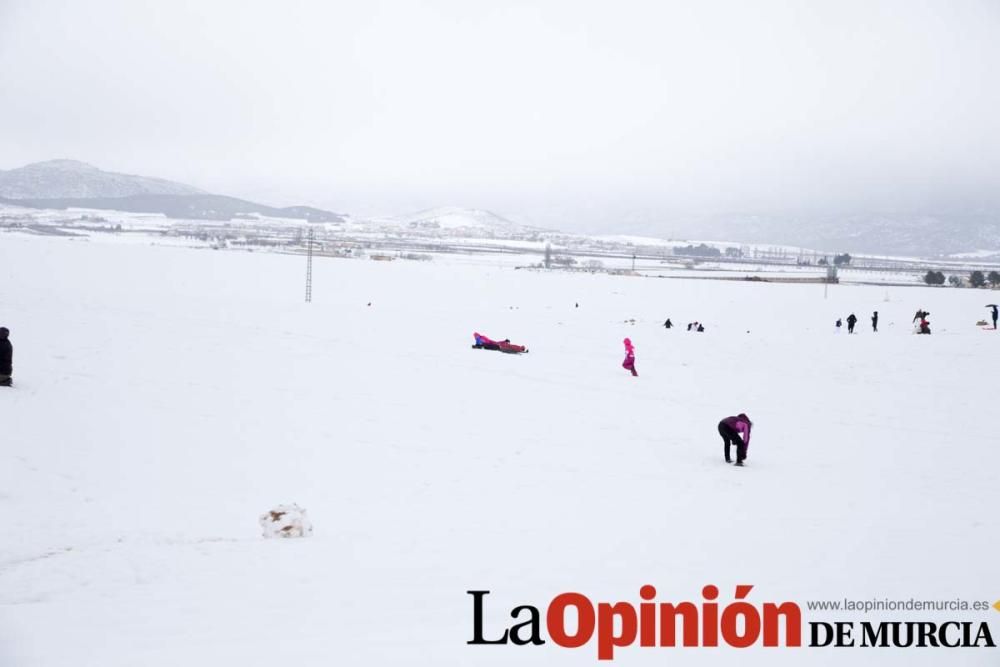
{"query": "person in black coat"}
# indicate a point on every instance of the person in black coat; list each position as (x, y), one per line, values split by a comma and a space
(851, 321)
(875, 321)
(6, 357)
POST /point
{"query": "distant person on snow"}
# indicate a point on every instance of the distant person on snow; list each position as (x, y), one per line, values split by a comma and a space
(875, 321)
(701, 327)
(924, 327)
(668, 324)
(731, 429)
(920, 315)
(993, 307)
(839, 324)
(851, 321)
(6, 358)
(629, 363)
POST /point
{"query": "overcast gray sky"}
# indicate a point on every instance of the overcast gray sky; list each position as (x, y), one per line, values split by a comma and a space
(577, 114)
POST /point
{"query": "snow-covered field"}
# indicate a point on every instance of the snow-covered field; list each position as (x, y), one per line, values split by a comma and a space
(166, 397)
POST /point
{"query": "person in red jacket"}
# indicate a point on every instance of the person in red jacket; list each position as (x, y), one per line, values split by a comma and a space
(731, 429)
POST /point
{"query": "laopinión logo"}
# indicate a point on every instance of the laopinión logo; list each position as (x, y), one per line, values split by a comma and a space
(572, 620)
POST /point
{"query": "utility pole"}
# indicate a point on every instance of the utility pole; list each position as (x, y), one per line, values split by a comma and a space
(309, 266)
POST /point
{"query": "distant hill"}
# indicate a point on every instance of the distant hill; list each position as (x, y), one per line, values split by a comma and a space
(65, 179)
(452, 218)
(61, 184)
(191, 207)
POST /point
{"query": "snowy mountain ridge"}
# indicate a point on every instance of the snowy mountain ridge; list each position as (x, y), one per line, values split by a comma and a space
(57, 179)
(63, 184)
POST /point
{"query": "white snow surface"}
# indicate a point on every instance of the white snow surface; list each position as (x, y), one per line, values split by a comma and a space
(165, 396)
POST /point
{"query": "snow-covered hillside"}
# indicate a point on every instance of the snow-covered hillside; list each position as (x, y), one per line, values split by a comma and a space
(451, 217)
(455, 218)
(68, 179)
(166, 397)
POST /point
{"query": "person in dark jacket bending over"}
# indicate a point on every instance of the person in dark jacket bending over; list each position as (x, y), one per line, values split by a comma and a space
(731, 428)
(851, 321)
(6, 357)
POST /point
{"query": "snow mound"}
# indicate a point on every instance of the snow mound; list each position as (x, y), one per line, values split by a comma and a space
(451, 217)
(286, 521)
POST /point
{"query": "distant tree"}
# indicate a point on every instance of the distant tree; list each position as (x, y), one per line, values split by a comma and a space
(994, 278)
(733, 252)
(701, 250)
(977, 279)
(842, 260)
(955, 281)
(548, 255)
(822, 261)
(934, 278)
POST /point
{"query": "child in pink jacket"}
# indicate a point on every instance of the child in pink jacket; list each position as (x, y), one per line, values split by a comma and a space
(629, 363)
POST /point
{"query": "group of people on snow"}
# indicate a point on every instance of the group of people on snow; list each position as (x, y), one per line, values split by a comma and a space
(852, 320)
(920, 323)
(734, 430)
(692, 326)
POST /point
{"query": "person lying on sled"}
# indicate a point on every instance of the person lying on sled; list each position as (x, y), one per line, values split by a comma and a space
(484, 343)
